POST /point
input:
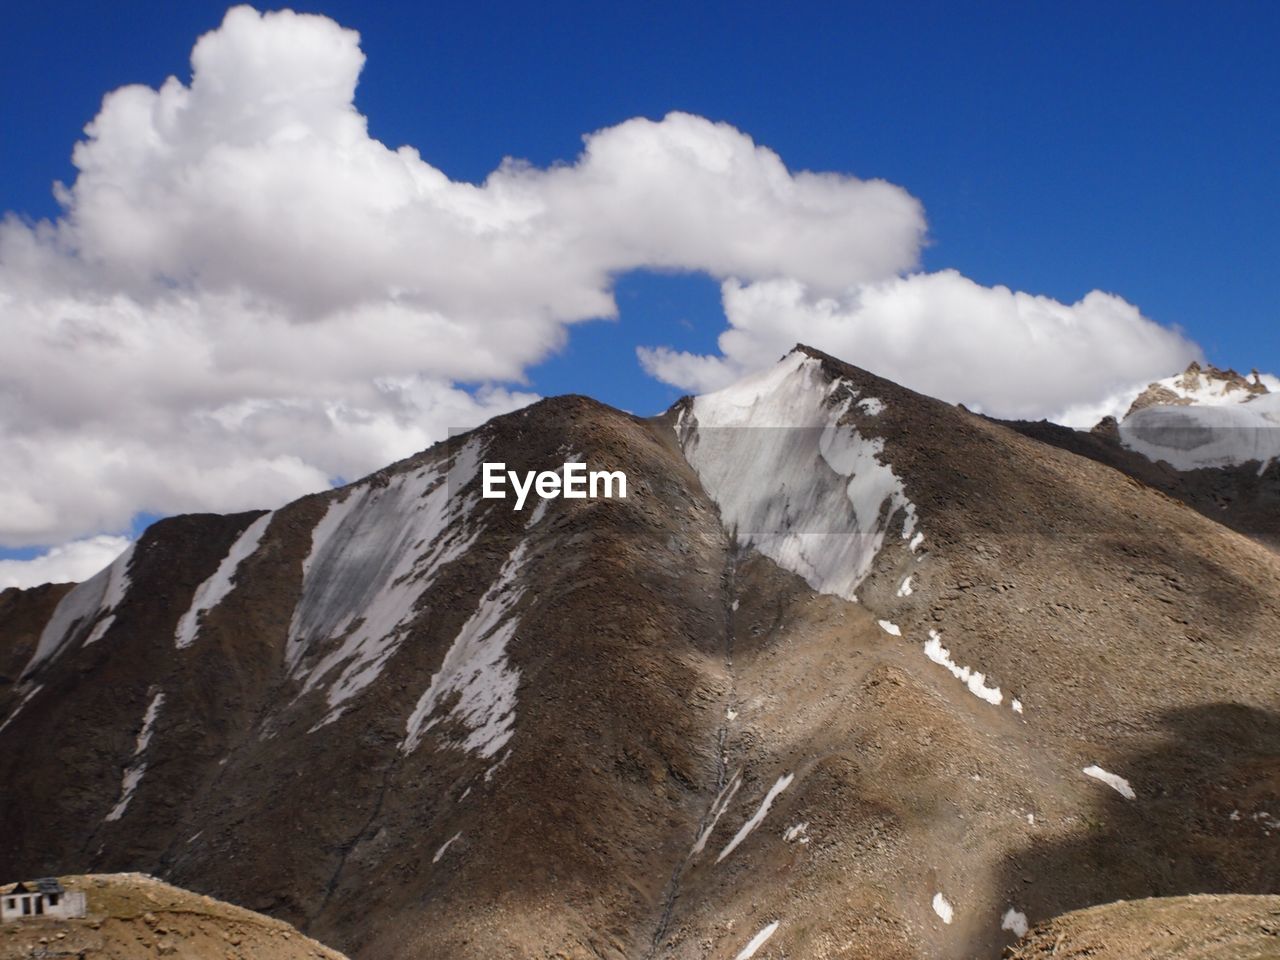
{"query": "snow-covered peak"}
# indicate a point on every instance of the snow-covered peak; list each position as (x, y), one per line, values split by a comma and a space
(1206, 417)
(1204, 386)
(781, 396)
(792, 475)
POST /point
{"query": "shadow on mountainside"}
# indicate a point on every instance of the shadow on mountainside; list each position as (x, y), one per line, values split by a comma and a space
(1244, 498)
(1206, 819)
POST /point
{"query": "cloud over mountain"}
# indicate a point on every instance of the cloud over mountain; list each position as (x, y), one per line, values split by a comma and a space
(68, 563)
(247, 296)
(997, 350)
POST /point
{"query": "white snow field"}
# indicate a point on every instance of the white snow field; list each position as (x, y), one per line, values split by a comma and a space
(805, 490)
(93, 601)
(137, 766)
(373, 554)
(1218, 435)
(476, 668)
(216, 589)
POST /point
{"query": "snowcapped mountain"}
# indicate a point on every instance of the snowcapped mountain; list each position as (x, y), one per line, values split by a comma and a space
(1206, 418)
(1207, 437)
(850, 672)
(1204, 386)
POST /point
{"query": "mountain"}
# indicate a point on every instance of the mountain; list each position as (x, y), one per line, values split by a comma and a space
(1207, 437)
(1205, 418)
(131, 916)
(1201, 386)
(850, 672)
(24, 614)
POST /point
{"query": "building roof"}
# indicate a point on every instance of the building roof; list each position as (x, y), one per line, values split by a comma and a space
(49, 885)
(21, 888)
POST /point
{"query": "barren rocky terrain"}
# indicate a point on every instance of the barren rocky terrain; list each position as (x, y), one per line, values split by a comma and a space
(1204, 927)
(415, 723)
(131, 917)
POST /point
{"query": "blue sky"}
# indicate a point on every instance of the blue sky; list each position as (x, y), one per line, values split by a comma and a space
(1056, 149)
(1132, 147)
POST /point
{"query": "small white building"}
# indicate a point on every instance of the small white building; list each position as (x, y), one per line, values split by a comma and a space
(47, 898)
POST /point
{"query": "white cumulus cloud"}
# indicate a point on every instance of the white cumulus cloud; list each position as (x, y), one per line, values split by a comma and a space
(69, 563)
(999, 351)
(247, 296)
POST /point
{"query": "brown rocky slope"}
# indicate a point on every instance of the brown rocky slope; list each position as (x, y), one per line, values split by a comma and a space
(1203, 927)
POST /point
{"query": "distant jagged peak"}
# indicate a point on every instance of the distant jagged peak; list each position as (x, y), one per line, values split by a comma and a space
(1206, 417)
(1200, 385)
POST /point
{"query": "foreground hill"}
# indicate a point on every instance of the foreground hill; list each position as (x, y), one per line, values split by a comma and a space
(1172, 928)
(850, 673)
(134, 916)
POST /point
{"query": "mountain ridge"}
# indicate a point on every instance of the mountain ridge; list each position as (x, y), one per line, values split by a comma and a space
(635, 728)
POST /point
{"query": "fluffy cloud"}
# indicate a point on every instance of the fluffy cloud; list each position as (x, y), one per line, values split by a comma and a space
(247, 296)
(69, 563)
(998, 351)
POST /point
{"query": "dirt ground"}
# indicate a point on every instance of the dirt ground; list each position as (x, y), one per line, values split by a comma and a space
(131, 915)
(1171, 928)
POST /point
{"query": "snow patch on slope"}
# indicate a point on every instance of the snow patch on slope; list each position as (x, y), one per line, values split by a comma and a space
(758, 816)
(216, 589)
(445, 846)
(117, 587)
(1014, 921)
(1117, 783)
(476, 669)
(790, 479)
(137, 767)
(93, 601)
(796, 832)
(758, 941)
(373, 555)
(722, 801)
(26, 698)
(974, 680)
(942, 907)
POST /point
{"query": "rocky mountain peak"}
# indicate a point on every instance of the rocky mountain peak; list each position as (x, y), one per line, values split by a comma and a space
(1200, 385)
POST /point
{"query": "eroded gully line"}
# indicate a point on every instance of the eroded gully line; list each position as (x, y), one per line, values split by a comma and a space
(716, 807)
